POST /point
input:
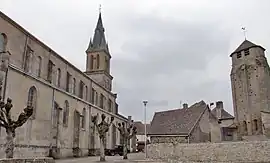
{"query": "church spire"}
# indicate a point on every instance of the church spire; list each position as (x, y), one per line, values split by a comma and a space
(99, 41)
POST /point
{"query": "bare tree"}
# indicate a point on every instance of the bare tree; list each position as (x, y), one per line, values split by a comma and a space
(10, 125)
(103, 128)
(127, 133)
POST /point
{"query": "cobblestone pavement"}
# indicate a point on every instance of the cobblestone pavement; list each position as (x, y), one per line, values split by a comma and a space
(109, 159)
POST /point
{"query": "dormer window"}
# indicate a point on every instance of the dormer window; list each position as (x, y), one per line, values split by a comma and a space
(239, 55)
(246, 52)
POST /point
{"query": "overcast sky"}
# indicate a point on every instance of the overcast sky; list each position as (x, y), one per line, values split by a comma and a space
(163, 51)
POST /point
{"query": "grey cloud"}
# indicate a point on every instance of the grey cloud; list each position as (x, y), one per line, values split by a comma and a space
(162, 59)
(172, 57)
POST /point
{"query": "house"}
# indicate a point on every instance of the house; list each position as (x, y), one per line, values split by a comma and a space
(226, 121)
(140, 136)
(185, 125)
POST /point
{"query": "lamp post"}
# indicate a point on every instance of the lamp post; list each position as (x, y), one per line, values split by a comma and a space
(145, 136)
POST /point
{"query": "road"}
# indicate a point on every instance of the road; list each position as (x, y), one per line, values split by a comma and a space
(109, 159)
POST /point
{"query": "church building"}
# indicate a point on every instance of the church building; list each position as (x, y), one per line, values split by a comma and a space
(63, 97)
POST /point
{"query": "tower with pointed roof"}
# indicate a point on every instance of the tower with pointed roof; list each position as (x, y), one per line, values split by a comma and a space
(98, 57)
(250, 83)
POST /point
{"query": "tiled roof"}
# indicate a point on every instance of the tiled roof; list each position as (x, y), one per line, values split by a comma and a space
(178, 121)
(224, 114)
(140, 128)
(246, 45)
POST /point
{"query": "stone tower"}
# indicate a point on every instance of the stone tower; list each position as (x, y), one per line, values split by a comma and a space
(250, 82)
(98, 57)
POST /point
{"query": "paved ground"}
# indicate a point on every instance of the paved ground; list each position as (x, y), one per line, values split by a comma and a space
(109, 159)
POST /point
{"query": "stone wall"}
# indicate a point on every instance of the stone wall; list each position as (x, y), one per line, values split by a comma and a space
(168, 139)
(22, 151)
(22, 160)
(255, 151)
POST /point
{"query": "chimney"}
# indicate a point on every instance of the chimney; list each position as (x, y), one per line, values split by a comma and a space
(219, 108)
(185, 106)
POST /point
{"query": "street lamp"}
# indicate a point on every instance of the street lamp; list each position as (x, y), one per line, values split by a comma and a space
(145, 137)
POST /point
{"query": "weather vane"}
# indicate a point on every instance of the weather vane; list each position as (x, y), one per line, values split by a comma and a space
(245, 32)
(99, 8)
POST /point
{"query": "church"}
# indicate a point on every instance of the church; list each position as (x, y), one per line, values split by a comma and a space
(63, 97)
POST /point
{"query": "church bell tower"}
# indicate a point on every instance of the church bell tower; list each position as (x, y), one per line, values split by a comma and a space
(98, 57)
(250, 82)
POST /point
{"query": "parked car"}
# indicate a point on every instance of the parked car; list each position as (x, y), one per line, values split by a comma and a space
(118, 150)
(140, 146)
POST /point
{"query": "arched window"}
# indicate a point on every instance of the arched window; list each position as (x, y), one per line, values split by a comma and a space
(55, 115)
(86, 93)
(83, 118)
(255, 121)
(39, 62)
(74, 86)
(245, 126)
(58, 77)
(97, 61)
(66, 113)
(91, 62)
(32, 100)
(3, 42)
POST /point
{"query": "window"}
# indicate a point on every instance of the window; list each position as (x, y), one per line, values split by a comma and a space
(27, 59)
(109, 105)
(101, 101)
(96, 99)
(239, 55)
(83, 118)
(106, 64)
(246, 52)
(245, 126)
(50, 71)
(39, 62)
(66, 114)
(86, 93)
(68, 81)
(74, 86)
(32, 100)
(97, 61)
(58, 77)
(81, 89)
(3, 42)
(93, 96)
(91, 62)
(255, 121)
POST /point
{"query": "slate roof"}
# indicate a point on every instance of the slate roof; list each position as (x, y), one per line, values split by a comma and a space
(178, 121)
(224, 114)
(245, 45)
(99, 41)
(140, 128)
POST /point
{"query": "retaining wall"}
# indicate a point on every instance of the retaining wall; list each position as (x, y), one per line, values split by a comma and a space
(254, 151)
